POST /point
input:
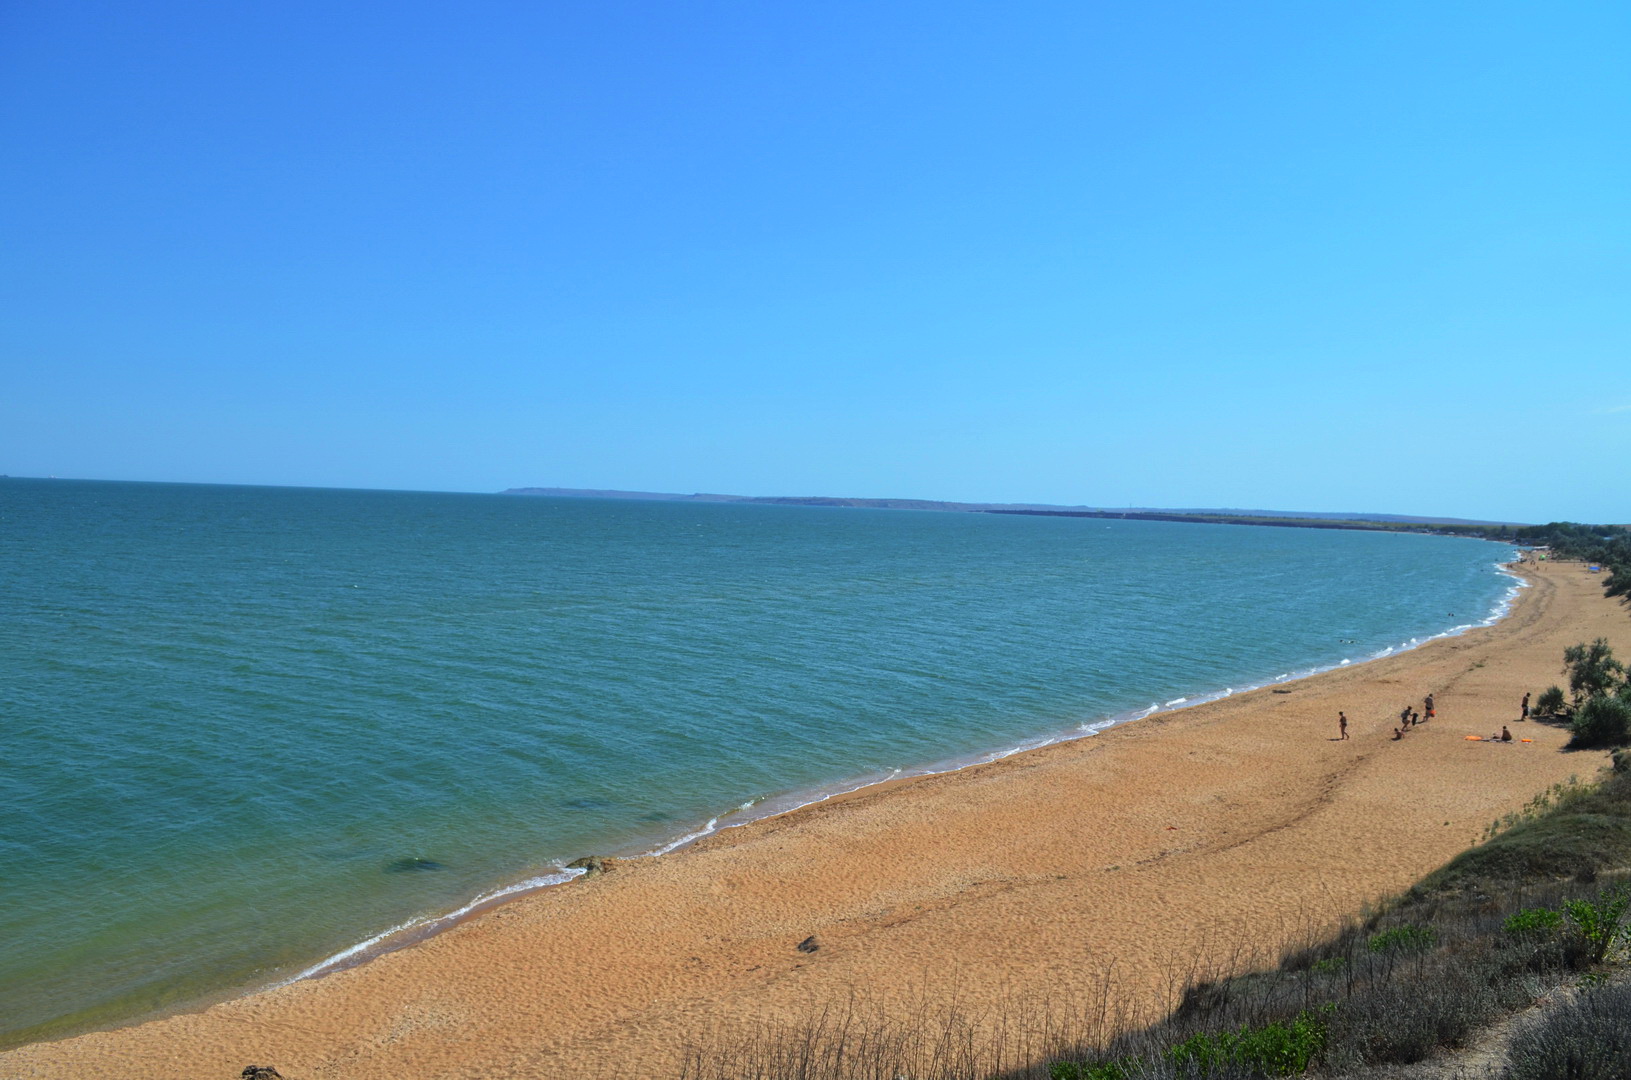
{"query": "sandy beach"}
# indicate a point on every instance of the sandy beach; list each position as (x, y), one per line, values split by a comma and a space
(1188, 839)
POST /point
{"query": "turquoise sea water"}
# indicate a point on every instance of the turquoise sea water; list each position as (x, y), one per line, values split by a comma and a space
(247, 729)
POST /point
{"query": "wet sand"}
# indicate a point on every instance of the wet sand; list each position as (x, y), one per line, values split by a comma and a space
(1182, 841)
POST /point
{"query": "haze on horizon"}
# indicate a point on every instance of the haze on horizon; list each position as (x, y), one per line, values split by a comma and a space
(1344, 258)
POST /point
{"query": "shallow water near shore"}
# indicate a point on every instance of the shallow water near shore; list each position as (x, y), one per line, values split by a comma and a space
(250, 728)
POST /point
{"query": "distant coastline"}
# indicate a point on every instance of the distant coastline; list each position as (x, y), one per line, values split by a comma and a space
(1300, 519)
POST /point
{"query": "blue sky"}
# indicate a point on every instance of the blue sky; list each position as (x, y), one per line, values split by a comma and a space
(1330, 256)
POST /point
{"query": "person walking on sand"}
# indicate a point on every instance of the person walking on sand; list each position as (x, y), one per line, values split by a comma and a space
(1525, 715)
(1342, 725)
(1428, 701)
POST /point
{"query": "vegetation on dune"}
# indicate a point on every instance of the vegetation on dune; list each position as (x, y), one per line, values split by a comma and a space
(1587, 1038)
(1574, 830)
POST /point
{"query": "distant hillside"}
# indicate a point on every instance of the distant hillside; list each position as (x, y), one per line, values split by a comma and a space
(1309, 519)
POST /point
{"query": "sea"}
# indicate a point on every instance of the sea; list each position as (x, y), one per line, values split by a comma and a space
(252, 734)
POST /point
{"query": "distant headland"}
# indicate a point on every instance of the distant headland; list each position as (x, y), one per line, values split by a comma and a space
(1283, 518)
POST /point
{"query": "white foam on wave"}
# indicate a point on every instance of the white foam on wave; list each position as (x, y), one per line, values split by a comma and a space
(713, 823)
(414, 929)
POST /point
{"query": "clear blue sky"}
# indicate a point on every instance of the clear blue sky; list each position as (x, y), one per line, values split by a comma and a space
(1327, 256)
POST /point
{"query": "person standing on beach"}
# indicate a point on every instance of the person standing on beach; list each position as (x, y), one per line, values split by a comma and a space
(1428, 701)
(1342, 725)
(1525, 715)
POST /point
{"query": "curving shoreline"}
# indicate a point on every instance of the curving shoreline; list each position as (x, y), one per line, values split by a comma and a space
(1027, 869)
(411, 933)
(418, 930)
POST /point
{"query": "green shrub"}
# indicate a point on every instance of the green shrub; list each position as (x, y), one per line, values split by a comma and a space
(1592, 669)
(1550, 702)
(1403, 939)
(1585, 1039)
(1329, 964)
(1533, 922)
(1602, 923)
(1601, 721)
(1119, 1069)
(1277, 1049)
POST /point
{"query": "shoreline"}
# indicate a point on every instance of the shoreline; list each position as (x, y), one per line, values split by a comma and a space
(771, 807)
(410, 932)
(282, 1027)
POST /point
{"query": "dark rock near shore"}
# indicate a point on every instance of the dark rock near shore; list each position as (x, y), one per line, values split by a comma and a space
(809, 944)
(408, 866)
(592, 865)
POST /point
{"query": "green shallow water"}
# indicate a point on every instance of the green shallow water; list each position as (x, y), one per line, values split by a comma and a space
(250, 728)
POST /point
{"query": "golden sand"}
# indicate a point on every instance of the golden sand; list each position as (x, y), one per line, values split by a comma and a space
(1177, 840)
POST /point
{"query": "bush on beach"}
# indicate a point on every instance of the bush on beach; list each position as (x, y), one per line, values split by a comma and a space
(1592, 669)
(1603, 721)
(1550, 702)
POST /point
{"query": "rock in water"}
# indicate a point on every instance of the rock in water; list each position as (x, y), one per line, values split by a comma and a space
(404, 866)
(592, 865)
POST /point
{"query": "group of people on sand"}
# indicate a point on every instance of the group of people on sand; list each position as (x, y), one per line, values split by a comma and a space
(1410, 717)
